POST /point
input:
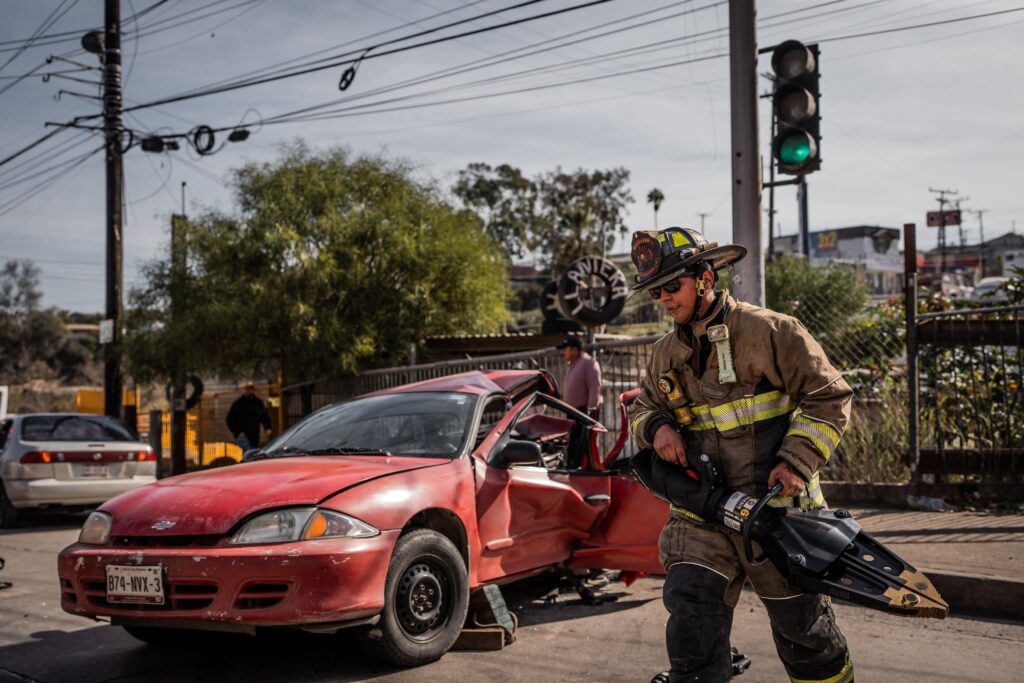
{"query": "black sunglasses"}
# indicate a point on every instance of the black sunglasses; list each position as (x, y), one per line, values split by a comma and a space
(672, 286)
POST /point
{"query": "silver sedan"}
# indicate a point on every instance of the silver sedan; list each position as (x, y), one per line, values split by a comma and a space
(67, 459)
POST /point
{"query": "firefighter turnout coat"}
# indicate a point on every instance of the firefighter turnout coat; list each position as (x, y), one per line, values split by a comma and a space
(782, 398)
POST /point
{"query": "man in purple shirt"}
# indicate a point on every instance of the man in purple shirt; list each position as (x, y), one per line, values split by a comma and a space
(582, 386)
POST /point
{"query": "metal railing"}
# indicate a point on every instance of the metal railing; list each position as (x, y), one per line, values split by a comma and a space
(972, 395)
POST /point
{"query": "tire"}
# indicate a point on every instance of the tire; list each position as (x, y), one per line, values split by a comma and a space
(414, 628)
(8, 513)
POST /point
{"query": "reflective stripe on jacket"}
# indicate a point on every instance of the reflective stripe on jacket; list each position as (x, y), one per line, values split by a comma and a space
(788, 402)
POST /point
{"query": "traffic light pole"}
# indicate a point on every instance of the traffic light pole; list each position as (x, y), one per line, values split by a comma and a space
(748, 277)
(805, 230)
(113, 128)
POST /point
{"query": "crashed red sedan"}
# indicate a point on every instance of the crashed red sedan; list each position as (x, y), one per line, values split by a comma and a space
(383, 513)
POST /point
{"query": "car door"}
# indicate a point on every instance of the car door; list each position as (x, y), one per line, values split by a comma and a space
(532, 515)
(626, 537)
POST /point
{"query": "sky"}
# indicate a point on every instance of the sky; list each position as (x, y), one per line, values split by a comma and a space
(902, 111)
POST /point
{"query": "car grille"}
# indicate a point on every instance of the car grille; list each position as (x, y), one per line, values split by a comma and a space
(192, 541)
(182, 595)
(67, 590)
(261, 595)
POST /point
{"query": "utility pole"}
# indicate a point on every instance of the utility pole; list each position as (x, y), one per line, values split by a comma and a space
(702, 217)
(805, 229)
(113, 129)
(748, 280)
(981, 238)
(960, 227)
(942, 228)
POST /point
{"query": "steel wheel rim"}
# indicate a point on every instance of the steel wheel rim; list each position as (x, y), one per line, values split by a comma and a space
(423, 599)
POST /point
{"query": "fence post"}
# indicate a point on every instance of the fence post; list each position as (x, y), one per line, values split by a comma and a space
(913, 383)
(156, 441)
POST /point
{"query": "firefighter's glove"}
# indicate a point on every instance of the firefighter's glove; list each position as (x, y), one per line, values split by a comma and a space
(697, 488)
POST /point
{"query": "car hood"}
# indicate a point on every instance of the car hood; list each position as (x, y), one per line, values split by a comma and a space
(214, 501)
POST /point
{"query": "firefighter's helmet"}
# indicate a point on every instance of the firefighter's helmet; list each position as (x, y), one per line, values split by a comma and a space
(661, 255)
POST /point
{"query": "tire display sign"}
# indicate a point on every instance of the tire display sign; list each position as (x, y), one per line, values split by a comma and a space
(592, 291)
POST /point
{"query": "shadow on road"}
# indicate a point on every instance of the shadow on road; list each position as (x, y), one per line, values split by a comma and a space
(31, 521)
(106, 653)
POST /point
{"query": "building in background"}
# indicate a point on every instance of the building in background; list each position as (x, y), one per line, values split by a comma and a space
(995, 257)
(872, 251)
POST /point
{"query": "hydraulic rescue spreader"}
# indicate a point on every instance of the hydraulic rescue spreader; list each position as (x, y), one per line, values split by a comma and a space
(818, 551)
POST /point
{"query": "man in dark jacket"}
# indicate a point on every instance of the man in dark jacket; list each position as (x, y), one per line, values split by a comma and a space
(246, 415)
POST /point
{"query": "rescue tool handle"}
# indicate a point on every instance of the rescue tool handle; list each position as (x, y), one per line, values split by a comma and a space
(748, 546)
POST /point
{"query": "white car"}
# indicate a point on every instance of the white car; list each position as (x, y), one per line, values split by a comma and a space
(990, 289)
(68, 460)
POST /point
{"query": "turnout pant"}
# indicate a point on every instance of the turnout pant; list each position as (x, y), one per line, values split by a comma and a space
(706, 572)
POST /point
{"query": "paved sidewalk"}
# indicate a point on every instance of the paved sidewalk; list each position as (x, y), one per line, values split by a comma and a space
(975, 559)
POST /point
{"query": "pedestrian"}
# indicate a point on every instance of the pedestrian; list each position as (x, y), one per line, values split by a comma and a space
(582, 385)
(245, 417)
(768, 407)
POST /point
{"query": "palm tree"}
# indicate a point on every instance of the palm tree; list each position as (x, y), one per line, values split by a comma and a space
(655, 197)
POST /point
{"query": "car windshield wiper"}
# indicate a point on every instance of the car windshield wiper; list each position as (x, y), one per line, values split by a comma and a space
(335, 450)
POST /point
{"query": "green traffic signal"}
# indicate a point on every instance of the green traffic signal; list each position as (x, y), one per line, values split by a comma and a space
(796, 108)
(794, 149)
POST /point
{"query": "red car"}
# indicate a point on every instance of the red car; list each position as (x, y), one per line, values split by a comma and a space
(383, 512)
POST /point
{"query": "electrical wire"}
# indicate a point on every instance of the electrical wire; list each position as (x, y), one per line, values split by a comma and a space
(243, 12)
(31, 146)
(50, 20)
(346, 111)
(278, 66)
(17, 201)
(944, 22)
(74, 34)
(27, 169)
(345, 60)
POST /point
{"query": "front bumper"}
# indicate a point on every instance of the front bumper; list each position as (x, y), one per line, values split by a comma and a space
(31, 493)
(289, 584)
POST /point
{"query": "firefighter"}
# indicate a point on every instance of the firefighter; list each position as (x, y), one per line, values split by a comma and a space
(760, 397)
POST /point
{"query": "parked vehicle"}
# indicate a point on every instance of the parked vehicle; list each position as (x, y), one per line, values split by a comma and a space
(990, 289)
(381, 513)
(67, 459)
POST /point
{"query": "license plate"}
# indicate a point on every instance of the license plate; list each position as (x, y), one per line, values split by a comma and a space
(94, 471)
(135, 584)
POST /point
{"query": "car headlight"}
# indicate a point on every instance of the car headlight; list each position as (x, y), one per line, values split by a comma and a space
(96, 530)
(300, 524)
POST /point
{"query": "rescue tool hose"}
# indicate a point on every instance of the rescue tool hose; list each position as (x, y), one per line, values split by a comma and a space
(748, 546)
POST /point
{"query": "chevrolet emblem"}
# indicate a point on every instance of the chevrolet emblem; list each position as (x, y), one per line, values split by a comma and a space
(163, 525)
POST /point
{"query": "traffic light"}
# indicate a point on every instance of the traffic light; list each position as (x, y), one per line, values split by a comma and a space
(796, 146)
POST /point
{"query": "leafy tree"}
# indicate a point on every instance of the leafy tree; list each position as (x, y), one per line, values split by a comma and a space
(506, 201)
(559, 215)
(822, 298)
(655, 197)
(34, 343)
(333, 262)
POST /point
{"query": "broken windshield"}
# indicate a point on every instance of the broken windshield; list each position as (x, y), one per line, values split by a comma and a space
(420, 423)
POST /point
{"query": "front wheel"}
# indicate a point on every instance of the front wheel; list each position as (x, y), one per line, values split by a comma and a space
(426, 595)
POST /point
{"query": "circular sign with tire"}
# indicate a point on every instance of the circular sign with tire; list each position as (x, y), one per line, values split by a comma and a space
(592, 291)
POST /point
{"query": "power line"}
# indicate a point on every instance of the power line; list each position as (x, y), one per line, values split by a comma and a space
(30, 146)
(17, 201)
(50, 20)
(917, 26)
(365, 56)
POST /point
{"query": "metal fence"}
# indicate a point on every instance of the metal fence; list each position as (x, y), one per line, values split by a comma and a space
(621, 363)
(867, 347)
(972, 395)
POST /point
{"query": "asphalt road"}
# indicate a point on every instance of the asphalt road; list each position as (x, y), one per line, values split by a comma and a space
(564, 640)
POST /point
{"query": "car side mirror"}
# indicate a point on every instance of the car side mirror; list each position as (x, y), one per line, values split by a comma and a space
(518, 452)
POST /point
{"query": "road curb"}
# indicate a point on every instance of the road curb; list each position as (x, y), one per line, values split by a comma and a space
(984, 596)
